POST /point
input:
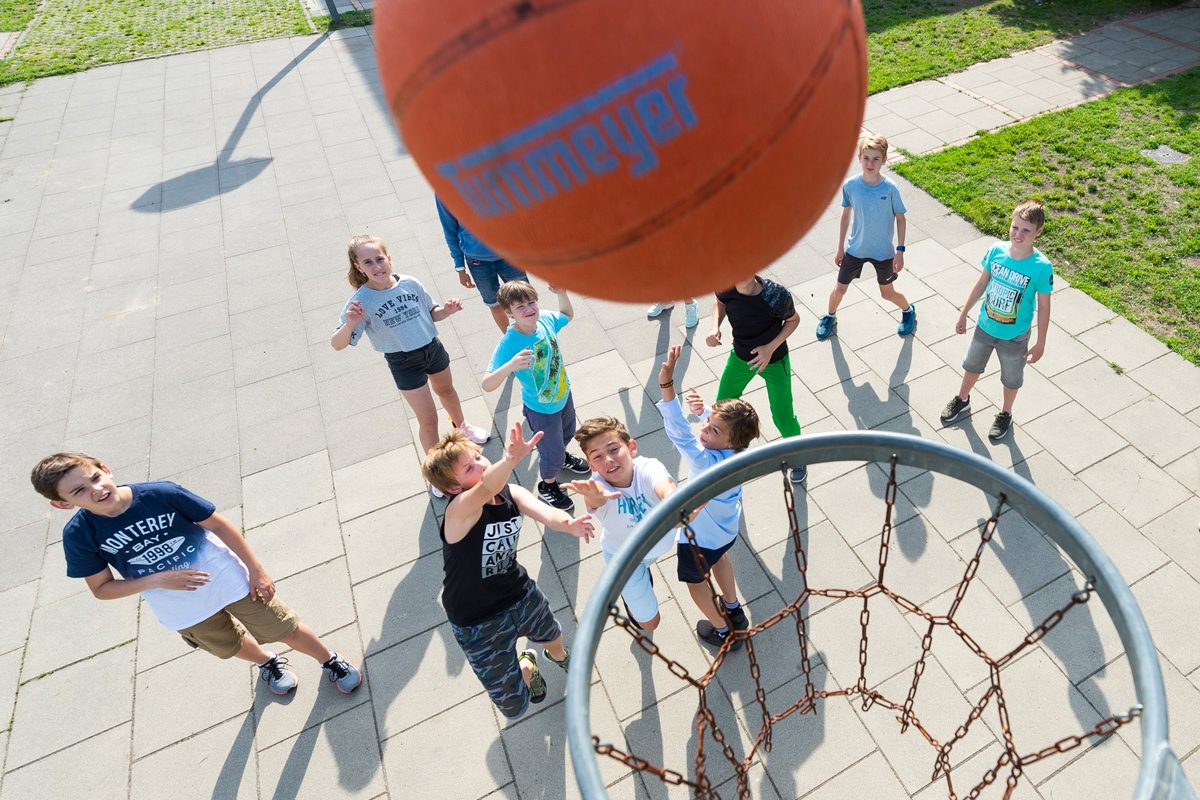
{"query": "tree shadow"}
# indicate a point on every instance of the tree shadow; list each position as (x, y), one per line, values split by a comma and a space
(223, 175)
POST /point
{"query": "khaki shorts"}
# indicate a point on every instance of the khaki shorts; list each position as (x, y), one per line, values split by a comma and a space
(221, 634)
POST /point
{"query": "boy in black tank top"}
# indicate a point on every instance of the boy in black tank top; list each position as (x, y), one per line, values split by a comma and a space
(489, 598)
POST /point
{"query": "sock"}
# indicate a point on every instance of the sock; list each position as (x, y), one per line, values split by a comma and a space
(722, 632)
(733, 605)
(908, 309)
(269, 660)
(332, 657)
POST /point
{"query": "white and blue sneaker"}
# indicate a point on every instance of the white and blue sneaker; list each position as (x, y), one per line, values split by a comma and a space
(280, 679)
(342, 674)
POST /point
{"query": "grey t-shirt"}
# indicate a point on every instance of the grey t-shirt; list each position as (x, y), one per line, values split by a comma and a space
(396, 319)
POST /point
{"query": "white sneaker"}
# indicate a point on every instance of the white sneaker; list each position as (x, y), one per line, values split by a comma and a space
(656, 309)
(691, 315)
(473, 432)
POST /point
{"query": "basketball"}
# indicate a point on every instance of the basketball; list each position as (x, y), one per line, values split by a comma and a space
(629, 150)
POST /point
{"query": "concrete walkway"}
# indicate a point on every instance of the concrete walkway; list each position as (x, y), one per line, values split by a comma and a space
(172, 255)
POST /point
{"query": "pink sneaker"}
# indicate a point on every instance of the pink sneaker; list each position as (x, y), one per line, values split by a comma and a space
(473, 432)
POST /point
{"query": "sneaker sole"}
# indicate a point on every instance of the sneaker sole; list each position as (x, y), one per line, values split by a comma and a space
(966, 412)
(1001, 437)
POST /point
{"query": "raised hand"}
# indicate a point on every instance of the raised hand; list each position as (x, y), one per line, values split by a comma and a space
(518, 446)
(695, 404)
(667, 371)
(593, 494)
(354, 313)
(452, 306)
(580, 527)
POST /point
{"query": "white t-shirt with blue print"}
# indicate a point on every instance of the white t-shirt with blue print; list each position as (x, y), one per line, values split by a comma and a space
(159, 531)
(619, 517)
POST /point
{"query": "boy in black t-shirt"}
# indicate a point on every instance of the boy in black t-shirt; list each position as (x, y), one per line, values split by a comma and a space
(762, 316)
(489, 598)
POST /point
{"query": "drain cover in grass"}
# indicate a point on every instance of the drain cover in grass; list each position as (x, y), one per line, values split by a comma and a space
(1165, 155)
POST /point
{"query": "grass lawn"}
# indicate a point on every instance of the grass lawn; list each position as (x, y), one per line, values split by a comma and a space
(15, 14)
(1120, 227)
(71, 35)
(911, 40)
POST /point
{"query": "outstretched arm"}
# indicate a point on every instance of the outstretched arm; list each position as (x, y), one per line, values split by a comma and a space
(465, 509)
(556, 520)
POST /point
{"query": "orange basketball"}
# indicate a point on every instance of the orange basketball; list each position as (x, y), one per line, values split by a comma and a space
(629, 149)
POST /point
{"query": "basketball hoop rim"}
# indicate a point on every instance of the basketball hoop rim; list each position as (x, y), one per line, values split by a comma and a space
(1160, 775)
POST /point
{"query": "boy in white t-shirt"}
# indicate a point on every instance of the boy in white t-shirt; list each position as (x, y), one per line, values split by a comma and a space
(623, 488)
(189, 563)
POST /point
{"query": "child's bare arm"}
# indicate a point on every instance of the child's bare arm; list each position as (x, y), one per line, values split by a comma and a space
(1043, 310)
(556, 520)
(105, 586)
(564, 302)
(594, 495)
(262, 586)
(451, 306)
(843, 227)
(972, 299)
(354, 316)
(666, 373)
(718, 316)
(465, 508)
(901, 232)
(491, 381)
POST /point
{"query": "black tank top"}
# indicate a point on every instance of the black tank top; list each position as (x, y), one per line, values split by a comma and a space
(482, 576)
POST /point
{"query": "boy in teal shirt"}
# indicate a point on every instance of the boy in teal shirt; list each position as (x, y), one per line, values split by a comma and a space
(1014, 274)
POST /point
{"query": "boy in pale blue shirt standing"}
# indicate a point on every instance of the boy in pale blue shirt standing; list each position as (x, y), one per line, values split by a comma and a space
(477, 264)
(1015, 278)
(872, 201)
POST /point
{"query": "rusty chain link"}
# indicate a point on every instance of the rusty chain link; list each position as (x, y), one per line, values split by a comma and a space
(1009, 762)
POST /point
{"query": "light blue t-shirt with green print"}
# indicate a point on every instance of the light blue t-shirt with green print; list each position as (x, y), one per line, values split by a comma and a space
(545, 386)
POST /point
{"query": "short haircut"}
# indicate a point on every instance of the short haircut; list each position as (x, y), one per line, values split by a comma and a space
(742, 420)
(598, 426)
(1031, 211)
(875, 142)
(50, 471)
(439, 463)
(514, 293)
(356, 278)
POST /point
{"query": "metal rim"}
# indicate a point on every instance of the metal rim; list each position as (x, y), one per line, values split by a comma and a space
(1160, 775)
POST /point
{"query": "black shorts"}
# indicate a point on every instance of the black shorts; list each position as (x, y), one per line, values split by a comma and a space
(686, 562)
(852, 268)
(411, 368)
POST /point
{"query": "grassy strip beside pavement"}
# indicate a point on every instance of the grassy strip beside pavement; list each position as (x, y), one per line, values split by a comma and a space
(1120, 227)
(912, 40)
(72, 35)
(15, 14)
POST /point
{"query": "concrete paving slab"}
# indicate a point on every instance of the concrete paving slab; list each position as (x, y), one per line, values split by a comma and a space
(75, 628)
(1076, 437)
(58, 774)
(1173, 380)
(1176, 437)
(338, 757)
(225, 685)
(219, 762)
(1160, 596)
(1134, 486)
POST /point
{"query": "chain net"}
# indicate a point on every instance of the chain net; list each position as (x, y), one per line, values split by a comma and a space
(1010, 764)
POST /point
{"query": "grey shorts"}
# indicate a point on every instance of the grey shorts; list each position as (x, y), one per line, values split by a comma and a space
(1010, 351)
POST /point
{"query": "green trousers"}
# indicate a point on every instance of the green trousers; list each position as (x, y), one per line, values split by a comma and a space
(737, 375)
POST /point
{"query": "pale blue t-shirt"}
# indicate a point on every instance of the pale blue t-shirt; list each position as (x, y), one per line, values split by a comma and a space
(717, 523)
(397, 320)
(874, 219)
(159, 531)
(545, 386)
(1008, 301)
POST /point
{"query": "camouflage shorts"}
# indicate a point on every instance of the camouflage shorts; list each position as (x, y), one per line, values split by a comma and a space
(491, 647)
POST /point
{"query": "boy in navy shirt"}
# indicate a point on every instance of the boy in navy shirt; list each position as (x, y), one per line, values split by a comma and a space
(190, 564)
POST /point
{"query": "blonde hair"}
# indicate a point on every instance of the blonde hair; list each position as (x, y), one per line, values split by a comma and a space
(1031, 211)
(46, 476)
(598, 426)
(874, 142)
(439, 463)
(355, 276)
(514, 293)
(741, 419)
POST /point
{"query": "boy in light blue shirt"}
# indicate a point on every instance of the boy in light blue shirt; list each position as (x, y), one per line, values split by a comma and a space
(726, 430)
(871, 201)
(1015, 278)
(529, 350)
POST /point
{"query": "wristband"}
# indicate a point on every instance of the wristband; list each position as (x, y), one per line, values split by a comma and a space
(899, 248)
(666, 385)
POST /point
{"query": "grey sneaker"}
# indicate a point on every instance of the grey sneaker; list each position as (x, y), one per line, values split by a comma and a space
(691, 315)
(826, 327)
(1000, 427)
(955, 410)
(280, 679)
(342, 674)
(798, 474)
(908, 321)
(537, 684)
(656, 309)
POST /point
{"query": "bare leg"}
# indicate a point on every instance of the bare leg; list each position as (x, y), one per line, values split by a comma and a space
(836, 296)
(252, 651)
(443, 383)
(421, 402)
(702, 597)
(304, 639)
(500, 317)
(556, 649)
(1010, 397)
(723, 572)
(888, 292)
(968, 383)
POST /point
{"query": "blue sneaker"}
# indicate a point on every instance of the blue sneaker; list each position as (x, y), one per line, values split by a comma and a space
(826, 327)
(908, 321)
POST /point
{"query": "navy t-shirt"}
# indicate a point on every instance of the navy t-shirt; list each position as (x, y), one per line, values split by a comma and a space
(159, 531)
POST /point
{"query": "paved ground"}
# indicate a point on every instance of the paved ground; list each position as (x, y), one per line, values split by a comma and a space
(171, 247)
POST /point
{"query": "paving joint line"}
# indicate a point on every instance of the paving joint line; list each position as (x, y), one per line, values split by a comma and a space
(1160, 36)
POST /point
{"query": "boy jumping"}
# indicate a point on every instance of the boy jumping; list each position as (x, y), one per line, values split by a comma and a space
(875, 200)
(1014, 274)
(190, 564)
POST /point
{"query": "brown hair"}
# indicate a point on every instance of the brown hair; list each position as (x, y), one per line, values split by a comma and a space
(742, 420)
(439, 463)
(597, 426)
(356, 277)
(46, 476)
(1031, 211)
(876, 142)
(514, 293)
